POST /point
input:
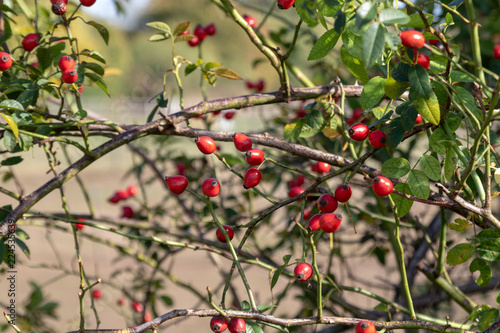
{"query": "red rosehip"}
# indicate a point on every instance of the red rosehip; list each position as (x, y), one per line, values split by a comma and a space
(358, 132)
(237, 325)
(297, 181)
(382, 186)
(114, 199)
(210, 187)
(412, 39)
(423, 60)
(242, 142)
(249, 84)
(128, 212)
(433, 41)
(137, 307)
(66, 62)
(200, 32)
(365, 326)
(218, 324)
(120, 302)
(285, 4)
(496, 51)
(96, 293)
(181, 168)
(122, 194)
(259, 86)
(343, 193)
(377, 139)
(321, 167)
(79, 226)
(295, 191)
(177, 184)
(59, 7)
(327, 203)
(229, 115)
(356, 114)
(419, 119)
(314, 222)
(132, 191)
(307, 213)
(210, 29)
(5, 61)
(88, 3)
(252, 178)
(250, 20)
(303, 271)
(148, 316)
(30, 41)
(254, 156)
(220, 236)
(69, 76)
(206, 144)
(330, 222)
(194, 41)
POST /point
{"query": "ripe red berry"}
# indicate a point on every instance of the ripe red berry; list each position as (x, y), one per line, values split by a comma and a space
(206, 144)
(382, 186)
(96, 293)
(358, 132)
(251, 21)
(254, 156)
(433, 41)
(177, 184)
(252, 178)
(122, 194)
(69, 76)
(181, 167)
(303, 271)
(210, 29)
(114, 199)
(321, 167)
(218, 324)
(356, 114)
(330, 222)
(210, 187)
(314, 222)
(5, 61)
(59, 7)
(343, 193)
(496, 51)
(412, 39)
(87, 3)
(377, 139)
(423, 60)
(297, 181)
(120, 302)
(295, 191)
(30, 41)
(132, 190)
(200, 32)
(249, 84)
(194, 41)
(148, 316)
(242, 142)
(220, 236)
(419, 119)
(307, 213)
(66, 62)
(365, 326)
(229, 115)
(259, 86)
(137, 307)
(79, 226)
(285, 4)
(327, 203)
(237, 325)
(128, 212)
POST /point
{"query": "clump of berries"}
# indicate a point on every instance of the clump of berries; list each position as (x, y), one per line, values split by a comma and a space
(200, 33)
(120, 195)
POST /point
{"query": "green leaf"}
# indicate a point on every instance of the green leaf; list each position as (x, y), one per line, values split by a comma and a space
(189, 69)
(25, 141)
(485, 272)
(9, 140)
(419, 184)
(431, 167)
(328, 7)
(160, 26)
(457, 76)
(373, 92)
(396, 167)
(393, 41)
(403, 204)
(253, 327)
(354, 65)
(373, 44)
(28, 97)
(460, 225)
(408, 117)
(395, 134)
(429, 108)
(234, 159)
(245, 306)
(353, 43)
(459, 254)
(487, 318)
(419, 81)
(468, 101)
(101, 29)
(98, 69)
(180, 28)
(11, 104)
(365, 14)
(227, 73)
(323, 45)
(292, 131)
(382, 307)
(416, 21)
(439, 141)
(212, 65)
(12, 160)
(393, 16)
(22, 245)
(44, 56)
(158, 37)
(167, 300)
(393, 89)
(276, 275)
(264, 307)
(99, 81)
(312, 124)
(94, 55)
(489, 244)
(306, 9)
(22, 118)
(12, 124)
(183, 38)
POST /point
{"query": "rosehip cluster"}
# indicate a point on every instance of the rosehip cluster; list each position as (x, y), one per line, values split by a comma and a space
(200, 33)
(120, 195)
(257, 86)
(359, 132)
(67, 66)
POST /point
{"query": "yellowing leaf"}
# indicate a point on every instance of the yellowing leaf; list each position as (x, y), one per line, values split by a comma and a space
(429, 108)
